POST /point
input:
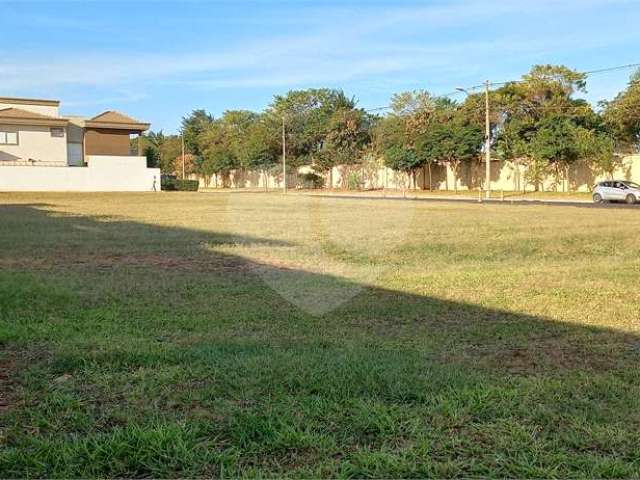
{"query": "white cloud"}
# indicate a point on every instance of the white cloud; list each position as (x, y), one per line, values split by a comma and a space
(357, 45)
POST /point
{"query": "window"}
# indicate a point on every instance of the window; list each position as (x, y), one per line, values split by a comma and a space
(57, 132)
(8, 138)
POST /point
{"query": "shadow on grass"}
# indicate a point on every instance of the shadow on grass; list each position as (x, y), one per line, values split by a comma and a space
(139, 350)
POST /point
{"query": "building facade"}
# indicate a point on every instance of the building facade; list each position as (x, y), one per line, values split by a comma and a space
(34, 136)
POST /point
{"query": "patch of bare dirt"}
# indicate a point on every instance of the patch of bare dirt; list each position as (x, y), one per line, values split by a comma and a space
(108, 262)
(545, 357)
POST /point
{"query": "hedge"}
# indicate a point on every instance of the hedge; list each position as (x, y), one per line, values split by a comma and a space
(174, 184)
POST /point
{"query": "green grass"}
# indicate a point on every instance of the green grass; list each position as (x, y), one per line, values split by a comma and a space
(419, 193)
(244, 334)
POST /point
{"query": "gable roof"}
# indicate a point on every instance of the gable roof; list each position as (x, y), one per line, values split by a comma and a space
(17, 116)
(116, 120)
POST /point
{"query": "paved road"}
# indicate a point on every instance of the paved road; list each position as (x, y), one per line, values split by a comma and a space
(497, 201)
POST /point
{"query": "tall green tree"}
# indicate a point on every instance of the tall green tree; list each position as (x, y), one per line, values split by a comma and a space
(308, 115)
(399, 132)
(556, 142)
(622, 116)
(451, 143)
(161, 150)
(599, 150)
(538, 120)
(193, 126)
(347, 137)
(216, 153)
(260, 148)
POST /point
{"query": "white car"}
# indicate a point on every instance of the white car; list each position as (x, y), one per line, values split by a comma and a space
(616, 191)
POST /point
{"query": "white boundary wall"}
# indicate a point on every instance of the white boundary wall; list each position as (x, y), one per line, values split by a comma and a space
(103, 174)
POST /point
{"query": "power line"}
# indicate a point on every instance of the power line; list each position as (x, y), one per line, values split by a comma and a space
(587, 73)
(613, 69)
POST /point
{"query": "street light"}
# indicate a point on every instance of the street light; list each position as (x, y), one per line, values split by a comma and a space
(487, 146)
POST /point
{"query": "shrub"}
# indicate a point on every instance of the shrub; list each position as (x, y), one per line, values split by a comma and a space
(187, 185)
(354, 182)
(173, 184)
(312, 180)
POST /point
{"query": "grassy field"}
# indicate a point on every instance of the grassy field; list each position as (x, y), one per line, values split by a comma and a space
(245, 334)
(419, 193)
(497, 195)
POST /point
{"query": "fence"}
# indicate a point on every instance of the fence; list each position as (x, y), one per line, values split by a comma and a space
(505, 175)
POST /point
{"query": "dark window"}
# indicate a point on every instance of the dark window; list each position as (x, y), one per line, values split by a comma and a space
(57, 132)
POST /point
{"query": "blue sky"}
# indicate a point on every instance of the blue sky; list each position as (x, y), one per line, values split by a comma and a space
(159, 60)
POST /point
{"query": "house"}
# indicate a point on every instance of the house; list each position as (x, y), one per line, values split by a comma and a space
(42, 150)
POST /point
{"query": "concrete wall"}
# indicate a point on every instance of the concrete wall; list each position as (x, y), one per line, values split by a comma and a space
(35, 143)
(104, 174)
(506, 176)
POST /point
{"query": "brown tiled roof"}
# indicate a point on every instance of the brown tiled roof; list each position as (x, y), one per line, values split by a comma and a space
(113, 119)
(17, 116)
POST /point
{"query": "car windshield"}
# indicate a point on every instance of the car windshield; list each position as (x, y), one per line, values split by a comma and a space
(632, 185)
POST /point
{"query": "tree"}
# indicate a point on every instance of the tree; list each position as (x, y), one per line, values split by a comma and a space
(415, 104)
(161, 150)
(309, 115)
(540, 123)
(193, 126)
(421, 130)
(622, 116)
(216, 152)
(153, 158)
(599, 151)
(187, 165)
(401, 159)
(348, 135)
(451, 142)
(411, 116)
(556, 143)
(260, 148)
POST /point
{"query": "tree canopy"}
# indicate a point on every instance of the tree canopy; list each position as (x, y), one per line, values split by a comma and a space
(539, 121)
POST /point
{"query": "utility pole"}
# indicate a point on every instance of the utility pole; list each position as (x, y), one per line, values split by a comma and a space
(182, 141)
(284, 158)
(487, 147)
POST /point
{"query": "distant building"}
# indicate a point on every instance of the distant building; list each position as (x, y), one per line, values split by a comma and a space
(94, 153)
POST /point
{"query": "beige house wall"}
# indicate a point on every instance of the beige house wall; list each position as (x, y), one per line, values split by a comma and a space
(49, 110)
(34, 143)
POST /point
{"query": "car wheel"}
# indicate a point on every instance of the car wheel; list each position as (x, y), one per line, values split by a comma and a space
(630, 199)
(597, 198)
